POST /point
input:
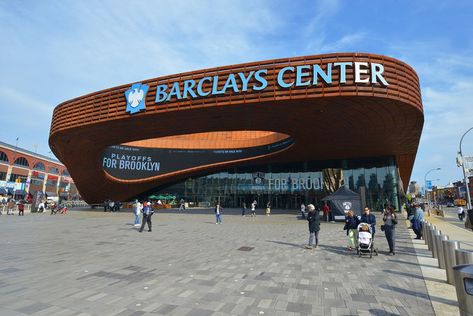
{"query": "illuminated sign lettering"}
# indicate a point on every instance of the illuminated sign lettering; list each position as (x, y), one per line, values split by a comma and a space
(255, 80)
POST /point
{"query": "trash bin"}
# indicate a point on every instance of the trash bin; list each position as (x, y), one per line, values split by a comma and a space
(464, 285)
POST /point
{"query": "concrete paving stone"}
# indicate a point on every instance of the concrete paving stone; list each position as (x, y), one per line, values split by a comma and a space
(200, 312)
(166, 309)
(9, 312)
(299, 308)
(364, 298)
(180, 311)
(33, 308)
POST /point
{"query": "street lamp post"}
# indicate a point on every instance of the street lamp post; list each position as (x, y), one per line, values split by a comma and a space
(425, 183)
(468, 198)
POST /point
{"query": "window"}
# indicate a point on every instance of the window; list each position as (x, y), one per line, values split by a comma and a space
(53, 170)
(3, 157)
(65, 173)
(14, 177)
(21, 161)
(39, 166)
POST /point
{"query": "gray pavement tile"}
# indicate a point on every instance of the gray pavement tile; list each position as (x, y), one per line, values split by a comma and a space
(33, 308)
(166, 309)
(299, 308)
(199, 312)
(364, 298)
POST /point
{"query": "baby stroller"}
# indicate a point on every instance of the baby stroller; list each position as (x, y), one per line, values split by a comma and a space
(365, 241)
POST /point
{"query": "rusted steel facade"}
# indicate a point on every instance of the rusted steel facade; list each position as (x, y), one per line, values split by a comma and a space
(325, 121)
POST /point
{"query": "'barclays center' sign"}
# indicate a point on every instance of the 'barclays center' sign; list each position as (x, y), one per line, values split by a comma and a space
(287, 77)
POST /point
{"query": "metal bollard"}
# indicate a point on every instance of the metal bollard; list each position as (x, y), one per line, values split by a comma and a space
(464, 287)
(425, 225)
(434, 248)
(449, 247)
(430, 235)
(438, 244)
(463, 256)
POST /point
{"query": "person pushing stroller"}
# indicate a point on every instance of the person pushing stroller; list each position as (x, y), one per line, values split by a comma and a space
(369, 219)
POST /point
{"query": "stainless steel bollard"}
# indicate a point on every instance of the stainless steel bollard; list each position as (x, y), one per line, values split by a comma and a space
(463, 256)
(449, 247)
(441, 256)
(464, 286)
(434, 248)
(425, 226)
(430, 236)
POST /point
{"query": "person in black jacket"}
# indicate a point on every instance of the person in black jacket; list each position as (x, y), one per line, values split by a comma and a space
(369, 219)
(314, 226)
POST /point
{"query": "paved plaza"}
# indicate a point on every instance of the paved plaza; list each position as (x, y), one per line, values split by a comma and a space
(96, 263)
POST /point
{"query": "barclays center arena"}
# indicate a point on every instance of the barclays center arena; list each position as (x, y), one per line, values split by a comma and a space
(286, 131)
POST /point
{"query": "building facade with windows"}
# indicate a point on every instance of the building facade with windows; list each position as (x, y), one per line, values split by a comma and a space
(283, 131)
(23, 171)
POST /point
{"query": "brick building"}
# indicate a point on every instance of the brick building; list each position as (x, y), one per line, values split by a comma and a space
(23, 171)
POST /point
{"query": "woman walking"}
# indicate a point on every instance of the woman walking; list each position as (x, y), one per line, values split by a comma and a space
(314, 227)
(218, 214)
(268, 208)
(351, 225)
(390, 221)
(253, 208)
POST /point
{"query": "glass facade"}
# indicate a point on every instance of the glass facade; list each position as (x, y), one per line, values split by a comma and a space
(286, 186)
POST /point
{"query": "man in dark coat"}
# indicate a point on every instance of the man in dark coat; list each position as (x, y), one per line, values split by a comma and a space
(147, 213)
(314, 227)
(369, 219)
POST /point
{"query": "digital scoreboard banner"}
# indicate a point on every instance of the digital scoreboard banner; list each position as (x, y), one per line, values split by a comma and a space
(133, 163)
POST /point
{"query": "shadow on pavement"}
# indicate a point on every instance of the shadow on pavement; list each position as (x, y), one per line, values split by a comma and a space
(419, 294)
(286, 243)
(412, 263)
(420, 277)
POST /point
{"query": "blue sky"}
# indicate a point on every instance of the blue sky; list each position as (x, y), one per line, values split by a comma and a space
(53, 51)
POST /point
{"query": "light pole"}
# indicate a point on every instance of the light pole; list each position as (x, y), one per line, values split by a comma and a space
(468, 198)
(425, 183)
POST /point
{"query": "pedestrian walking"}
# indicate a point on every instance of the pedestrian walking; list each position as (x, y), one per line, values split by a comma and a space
(351, 225)
(390, 222)
(469, 220)
(369, 219)
(137, 207)
(314, 227)
(243, 209)
(461, 213)
(3, 207)
(326, 211)
(41, 207)
(253, 208)
(10, 207)
(268, 208)
(147, 214)
(21, 208)
(182, 205)
(417, 221)
(303, 210)
(218, 214)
